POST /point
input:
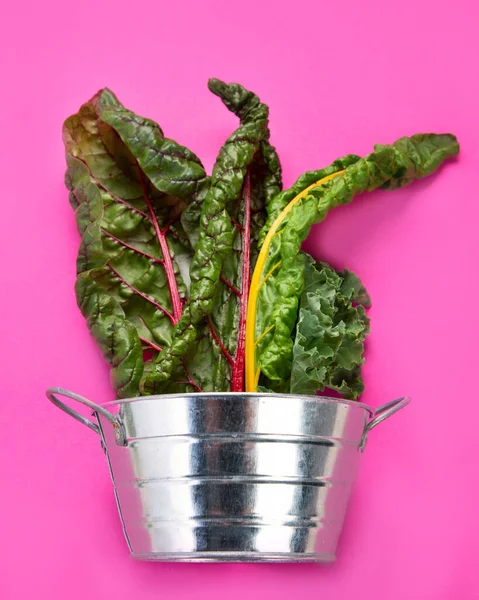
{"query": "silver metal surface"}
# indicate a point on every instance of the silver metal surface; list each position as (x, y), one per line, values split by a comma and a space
(232, 477)
(98, 410)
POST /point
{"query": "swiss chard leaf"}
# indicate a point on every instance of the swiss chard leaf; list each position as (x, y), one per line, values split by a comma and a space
(246, 177)
(166, 257)
(278, 281)
(130, 187)
(332, 326)
(280, 201)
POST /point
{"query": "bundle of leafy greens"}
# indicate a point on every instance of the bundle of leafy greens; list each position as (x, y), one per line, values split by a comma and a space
(192, 283)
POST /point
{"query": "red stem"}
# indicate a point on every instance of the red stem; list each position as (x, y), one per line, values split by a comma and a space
(237, 371)
(230, 285)
(237, 225)
(150, 344)
(135, 291)
(217, 339)
(191, 381)
(168, 263)
(132, 248)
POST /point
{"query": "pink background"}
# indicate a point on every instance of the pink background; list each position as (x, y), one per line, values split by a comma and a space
(338, 76)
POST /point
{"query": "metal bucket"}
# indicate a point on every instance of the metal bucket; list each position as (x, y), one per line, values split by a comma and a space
(232, 477)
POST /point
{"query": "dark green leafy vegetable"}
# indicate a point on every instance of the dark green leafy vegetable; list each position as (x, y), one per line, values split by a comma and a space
(130, 186)
(167, 254)
(280, 201)
(246, 177)
(276, 303)
(332, 326)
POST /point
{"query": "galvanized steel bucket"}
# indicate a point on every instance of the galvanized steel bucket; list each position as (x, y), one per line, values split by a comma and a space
(232, 477)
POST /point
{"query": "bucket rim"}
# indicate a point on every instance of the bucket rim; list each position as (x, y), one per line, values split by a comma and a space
(225, 395)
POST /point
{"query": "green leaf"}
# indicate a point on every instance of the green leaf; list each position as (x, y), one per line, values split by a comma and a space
(171, 168)
(130, 186)
(329, 342)
(280, 201)
(353, 289)
(246, 177)
(166, 253)
(283, 276)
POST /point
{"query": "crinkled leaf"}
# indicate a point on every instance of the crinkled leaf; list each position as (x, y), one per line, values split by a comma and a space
(282, 281)
(329, 343)
(280, 201)
(129, 186)
(166, 254)
(246, 177)
(353, 289)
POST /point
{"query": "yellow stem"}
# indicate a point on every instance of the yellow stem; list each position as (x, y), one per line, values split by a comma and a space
(252, 371)
(268, 275)
(265, 332)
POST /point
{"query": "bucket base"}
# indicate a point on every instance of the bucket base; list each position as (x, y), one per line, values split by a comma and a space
(235, 557)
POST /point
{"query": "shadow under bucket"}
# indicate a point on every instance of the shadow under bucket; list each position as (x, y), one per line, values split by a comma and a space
(232, 477)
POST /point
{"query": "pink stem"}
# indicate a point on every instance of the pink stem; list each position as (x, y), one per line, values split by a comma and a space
(217, 339)
(237, 372)
(168, 263)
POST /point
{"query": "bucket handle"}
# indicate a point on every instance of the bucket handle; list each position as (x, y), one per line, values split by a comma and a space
(114, 420)
(381, 414)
